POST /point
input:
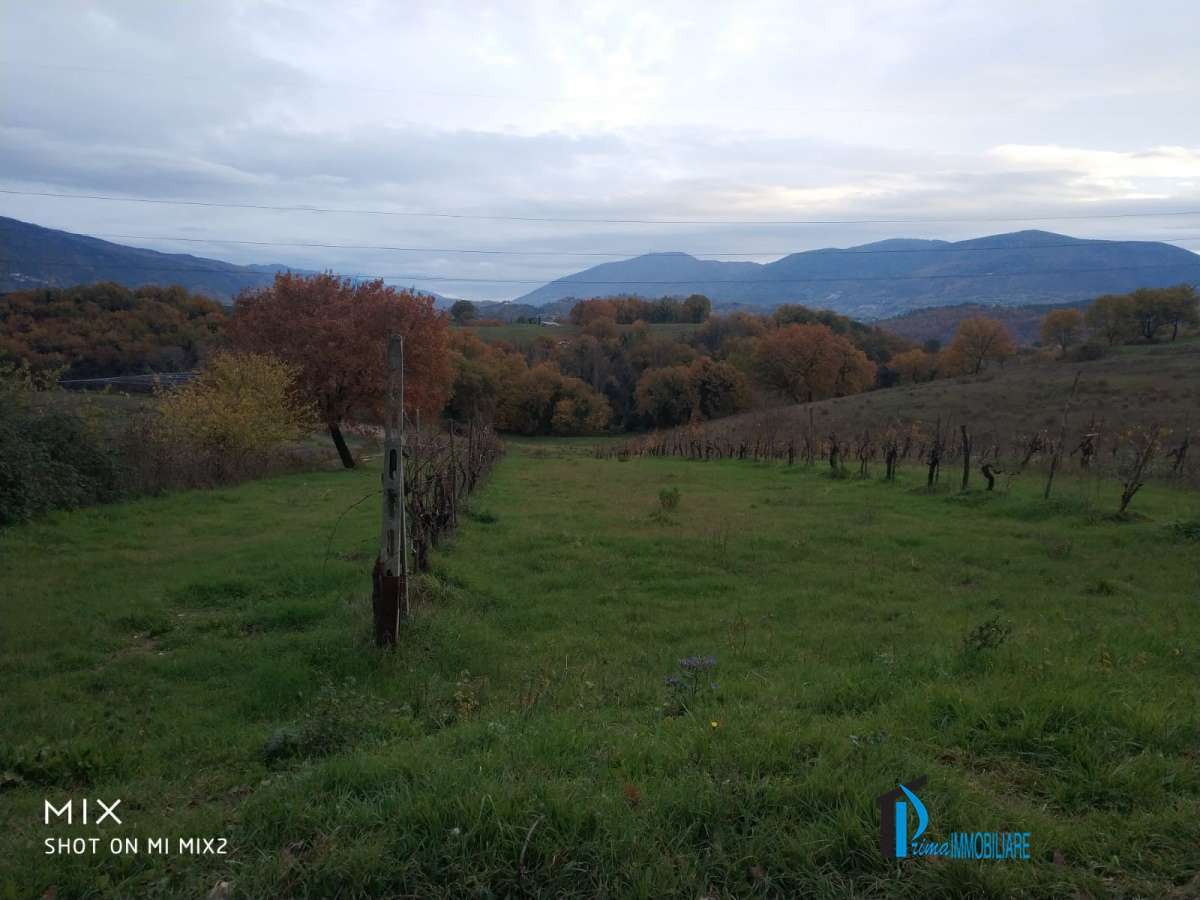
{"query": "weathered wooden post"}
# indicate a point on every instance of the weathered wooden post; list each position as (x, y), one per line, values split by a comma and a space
(390, 598)
(966, 455)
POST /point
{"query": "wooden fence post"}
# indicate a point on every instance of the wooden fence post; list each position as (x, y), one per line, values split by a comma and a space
(390, 596)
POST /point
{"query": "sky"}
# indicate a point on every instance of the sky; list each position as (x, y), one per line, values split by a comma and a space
(727, 130)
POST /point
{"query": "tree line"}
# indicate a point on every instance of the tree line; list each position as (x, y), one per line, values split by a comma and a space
(102, 330)
(1142, 316)
(617, 372)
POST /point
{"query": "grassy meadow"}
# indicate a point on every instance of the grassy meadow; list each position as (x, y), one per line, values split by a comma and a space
(206, 658)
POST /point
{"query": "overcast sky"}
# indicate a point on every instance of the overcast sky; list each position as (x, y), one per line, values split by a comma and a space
(747, 111)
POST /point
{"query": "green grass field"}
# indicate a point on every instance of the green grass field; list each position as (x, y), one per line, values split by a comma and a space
(199, 657)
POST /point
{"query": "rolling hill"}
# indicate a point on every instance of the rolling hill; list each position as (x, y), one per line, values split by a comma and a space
(34, 257)
(888, 278)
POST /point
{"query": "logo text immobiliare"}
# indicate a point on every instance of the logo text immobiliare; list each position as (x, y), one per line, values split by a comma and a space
(897, 840)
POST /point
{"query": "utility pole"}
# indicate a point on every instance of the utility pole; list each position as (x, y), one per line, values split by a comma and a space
(390, 597)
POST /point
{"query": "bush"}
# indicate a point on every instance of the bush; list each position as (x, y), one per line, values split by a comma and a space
(49, 459)
(219, 430)
(242, 406)
(1089, 352)
(668, 499)
(986, 636)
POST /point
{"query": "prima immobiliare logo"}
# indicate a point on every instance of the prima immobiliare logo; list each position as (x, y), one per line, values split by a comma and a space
(903, 820)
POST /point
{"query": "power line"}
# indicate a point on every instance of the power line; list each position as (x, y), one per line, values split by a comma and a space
(590, 221)
(570, 281)
(619, 254)
(147, 378)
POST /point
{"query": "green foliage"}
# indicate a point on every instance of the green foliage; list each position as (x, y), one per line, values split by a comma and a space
(64, 764)
(336, 717)
(1186, 530)
(1145, 313)
(463, 311)
(49, 458)
(668, 499)
(987, 635)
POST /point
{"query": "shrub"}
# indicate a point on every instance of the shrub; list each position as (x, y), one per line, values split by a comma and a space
(986, 636)
(1186, 530)
(49, 459)
(338, 716)
(1089, 352)
(668, 499)
(241, 405)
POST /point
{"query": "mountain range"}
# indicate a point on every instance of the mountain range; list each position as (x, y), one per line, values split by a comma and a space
(32, 257)
(872, 281)
(891, 277)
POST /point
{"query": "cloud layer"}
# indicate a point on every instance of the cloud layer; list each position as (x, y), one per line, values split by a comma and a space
(752, 111)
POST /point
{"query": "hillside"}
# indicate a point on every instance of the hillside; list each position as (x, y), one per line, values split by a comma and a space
(939, 323)
(33, 257)
(888, 278)
(1138, 385)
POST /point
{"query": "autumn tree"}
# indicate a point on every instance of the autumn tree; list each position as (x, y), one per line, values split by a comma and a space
(810, 362)
(541, 400)
(335, 332)
(463, 311)
(654, 351)
(1181, 307)
(1062, 327)
(914, 366)
(696, 308)
(665, 397)
(978, 341)
(717, 335)
(718, 388)
(481, 372)
(587, 311)
(1112, 316)
(107, 329)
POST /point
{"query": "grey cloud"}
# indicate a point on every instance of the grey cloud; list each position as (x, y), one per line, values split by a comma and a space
(884, 111)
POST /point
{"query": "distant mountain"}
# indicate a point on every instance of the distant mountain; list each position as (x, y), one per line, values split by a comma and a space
(887, 278)
(32, 256)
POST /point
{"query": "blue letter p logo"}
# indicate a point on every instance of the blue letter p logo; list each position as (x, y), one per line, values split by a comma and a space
(894, 839)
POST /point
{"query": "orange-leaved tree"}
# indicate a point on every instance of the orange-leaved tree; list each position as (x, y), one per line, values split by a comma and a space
(978, 341)
(810, 362)
(1062, 327)
(335, 331)
(914, 365)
